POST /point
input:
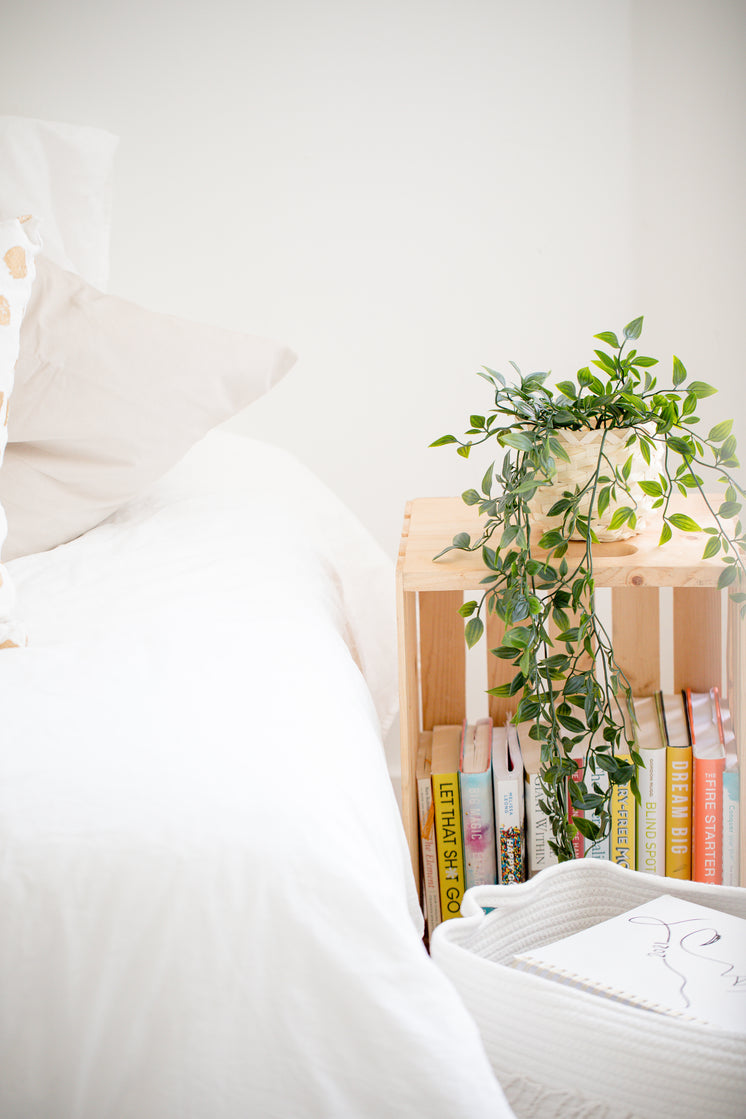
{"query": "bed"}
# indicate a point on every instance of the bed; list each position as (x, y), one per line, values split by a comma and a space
(207, 907)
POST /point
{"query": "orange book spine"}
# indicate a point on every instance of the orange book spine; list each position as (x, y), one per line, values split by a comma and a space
(707, 819)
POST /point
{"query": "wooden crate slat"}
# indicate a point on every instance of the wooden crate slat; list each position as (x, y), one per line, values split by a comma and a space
(635, 614)
(442, 658)
(697, 638)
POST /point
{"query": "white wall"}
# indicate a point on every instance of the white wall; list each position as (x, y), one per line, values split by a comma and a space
(405, 190)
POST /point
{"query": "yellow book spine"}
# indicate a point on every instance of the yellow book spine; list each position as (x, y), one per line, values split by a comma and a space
(622, 833)
(679, 812)
(449, 843)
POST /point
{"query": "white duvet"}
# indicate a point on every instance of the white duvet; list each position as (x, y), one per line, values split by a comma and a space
(206, 905)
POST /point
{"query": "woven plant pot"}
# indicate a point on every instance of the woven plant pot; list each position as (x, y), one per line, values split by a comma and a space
(583, 448)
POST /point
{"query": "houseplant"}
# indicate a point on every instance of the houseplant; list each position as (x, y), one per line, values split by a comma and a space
(566, 681)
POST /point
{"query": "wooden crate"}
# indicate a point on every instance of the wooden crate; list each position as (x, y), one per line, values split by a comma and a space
(432, 653)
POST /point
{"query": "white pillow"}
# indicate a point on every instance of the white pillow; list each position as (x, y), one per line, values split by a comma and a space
(62, 174)
(19, 244)
(108, 397)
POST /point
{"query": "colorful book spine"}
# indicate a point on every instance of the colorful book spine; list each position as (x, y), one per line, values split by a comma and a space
(430, 887)
(477, 808)
(447, 810)
(622, 832)
(708, 765)
(507, 779)
(731, 828)
(539, 854)
(672, 716)
(650, 828)
(601, 848)
(578, 841)
(731, 803)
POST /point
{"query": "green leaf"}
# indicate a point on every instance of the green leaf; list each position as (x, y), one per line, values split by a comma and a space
(587, 827)
(443, 440)
(621, 517)
(567, 388)
(712, 547)
(666, 534)
(679, 372)
(603, 500)
(701, 389)
(557, 449)
(652, 489)
(505, 652)
(473, 631)
(464, 451)
(729, 509)
(720, 431)
(684, 522)
(604, 361)
(519, 440)
(569, 722)
(528, 709)
(502, 691)
(727, 576)
(519, 637)
(633, 329)
(679, 445)
(467, 609)
(551, 539)
(461, 540)
(487, 480)
(609, 338)
(471, 497)
(520, 609)
(476, 421)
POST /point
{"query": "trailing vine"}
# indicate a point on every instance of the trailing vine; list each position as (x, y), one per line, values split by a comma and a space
(566, 682)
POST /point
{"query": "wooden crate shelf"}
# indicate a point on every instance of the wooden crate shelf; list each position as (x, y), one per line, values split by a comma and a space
(432, 654)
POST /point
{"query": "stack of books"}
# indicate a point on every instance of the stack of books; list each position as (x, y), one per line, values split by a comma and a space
(481, 820)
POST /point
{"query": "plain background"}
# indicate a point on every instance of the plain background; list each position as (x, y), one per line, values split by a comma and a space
(406, 190)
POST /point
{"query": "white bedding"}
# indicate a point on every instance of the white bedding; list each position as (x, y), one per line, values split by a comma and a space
(206, 904)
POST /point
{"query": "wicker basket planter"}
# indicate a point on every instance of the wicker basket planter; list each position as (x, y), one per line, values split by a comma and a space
(583, 448)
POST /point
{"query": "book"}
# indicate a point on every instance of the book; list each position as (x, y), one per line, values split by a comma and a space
(668, 955)
(430, 887)
(600, 848)
(650, 854)
(675, 732)
(578, 840)
(444, 778)
(477, 804)
(538, 827)
(622, 829)
(708, 766)
(507, 787)
(731, 804)
(731, 873)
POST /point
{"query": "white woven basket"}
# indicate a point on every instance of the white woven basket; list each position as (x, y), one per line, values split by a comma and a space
(563, 1052)
(583, 448)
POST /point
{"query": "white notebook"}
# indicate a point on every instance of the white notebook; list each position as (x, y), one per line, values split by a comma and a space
(668, 955)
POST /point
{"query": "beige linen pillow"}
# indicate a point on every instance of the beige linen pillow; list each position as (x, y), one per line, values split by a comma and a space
(19, 244)
(109, 396)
